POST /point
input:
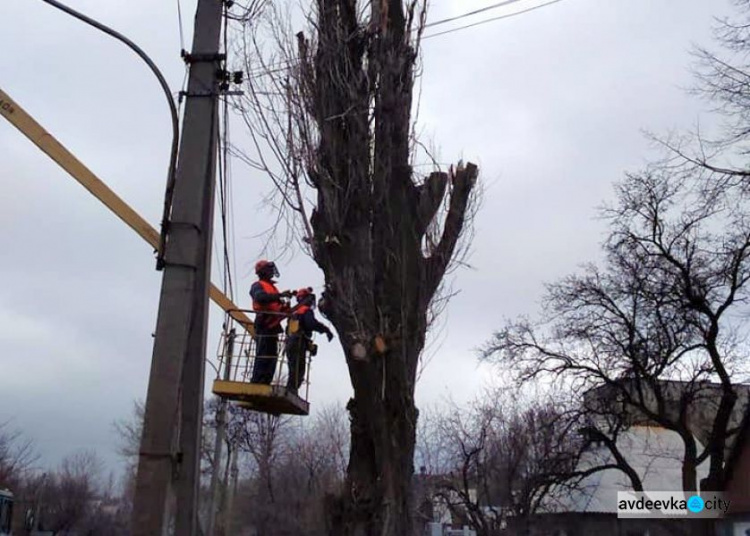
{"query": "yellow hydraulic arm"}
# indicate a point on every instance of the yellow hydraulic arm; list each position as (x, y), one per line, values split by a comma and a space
(65, 159)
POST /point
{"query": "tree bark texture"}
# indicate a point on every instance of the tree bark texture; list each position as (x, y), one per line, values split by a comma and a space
(370, 225)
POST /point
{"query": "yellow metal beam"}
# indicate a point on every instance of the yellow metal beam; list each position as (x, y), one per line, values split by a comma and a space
(273, 399)
(16, 115)
(240, 389)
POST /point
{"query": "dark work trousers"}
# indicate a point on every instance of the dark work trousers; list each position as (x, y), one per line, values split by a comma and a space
(266, 355)
(296, 353)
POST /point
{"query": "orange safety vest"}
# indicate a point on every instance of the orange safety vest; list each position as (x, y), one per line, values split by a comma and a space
(293, 328)
(270, 321)
(301, 310)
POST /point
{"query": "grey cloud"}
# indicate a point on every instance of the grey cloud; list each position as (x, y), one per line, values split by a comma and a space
(550, 103)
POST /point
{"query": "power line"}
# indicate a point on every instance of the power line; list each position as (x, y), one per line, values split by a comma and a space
(223, 196)
(223, 168)
(509, 15)
(271, 68)
(285, 65)
(179, 22)
(470, 13)
(230, 210)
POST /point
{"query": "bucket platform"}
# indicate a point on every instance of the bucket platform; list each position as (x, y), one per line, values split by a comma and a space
(271, 399)
(237, 358)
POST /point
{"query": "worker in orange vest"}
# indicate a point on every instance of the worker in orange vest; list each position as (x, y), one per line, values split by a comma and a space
(302, 323)
(271, 310)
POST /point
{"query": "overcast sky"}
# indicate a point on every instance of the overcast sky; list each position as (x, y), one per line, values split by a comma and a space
(551, 104)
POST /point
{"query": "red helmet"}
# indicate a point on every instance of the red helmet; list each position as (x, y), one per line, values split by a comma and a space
(305, 294)
(264, 268)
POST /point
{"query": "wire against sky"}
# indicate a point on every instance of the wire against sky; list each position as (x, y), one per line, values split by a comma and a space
(179, 23)
(507, 16)
(287, 64)
(470, 13)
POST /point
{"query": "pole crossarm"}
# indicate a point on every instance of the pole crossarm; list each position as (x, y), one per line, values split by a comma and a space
(20, 119)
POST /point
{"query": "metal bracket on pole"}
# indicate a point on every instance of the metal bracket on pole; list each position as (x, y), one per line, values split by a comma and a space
(202, 58)
(208, 93)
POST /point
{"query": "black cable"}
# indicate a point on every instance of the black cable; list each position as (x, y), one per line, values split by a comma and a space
(172, 109)
(492, 19)
(470, 13)
(179, 22)
(223, 191)
(223, 168)
(285, 65)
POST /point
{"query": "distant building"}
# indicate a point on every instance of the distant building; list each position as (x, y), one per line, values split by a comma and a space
(591, 508)
(702, 400)
(656, 455)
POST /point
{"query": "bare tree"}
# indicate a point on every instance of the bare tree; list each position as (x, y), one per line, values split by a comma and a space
(664, 315)
(129, 432)
(494, 464)
(290, 469)
(646, 334)
(262, 437)
(311, 470)
(333, 128)
(722, 76)
(68, 496)
(225, 469)
(16, 456)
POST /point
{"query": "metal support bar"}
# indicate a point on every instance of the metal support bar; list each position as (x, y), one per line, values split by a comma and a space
(191, 58)
(209, 93)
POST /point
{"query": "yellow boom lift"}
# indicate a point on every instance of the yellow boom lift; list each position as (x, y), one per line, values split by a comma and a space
(236, 353)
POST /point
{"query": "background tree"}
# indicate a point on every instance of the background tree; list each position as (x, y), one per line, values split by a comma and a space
(289, 471)
(76, 498)
(723, 80)
(669, 303)
(494, 463)
(277, 476)
(263, 438)
(338, 122)
(16, 456)
(665, 308)
(129, 434)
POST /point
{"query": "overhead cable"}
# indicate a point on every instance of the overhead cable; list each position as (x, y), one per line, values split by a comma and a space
(470, 13)
(485, 21)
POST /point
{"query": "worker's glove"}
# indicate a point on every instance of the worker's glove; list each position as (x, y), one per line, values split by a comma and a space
(329, 335)
(287, 294)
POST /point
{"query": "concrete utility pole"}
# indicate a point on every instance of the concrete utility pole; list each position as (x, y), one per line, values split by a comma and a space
(170, 445)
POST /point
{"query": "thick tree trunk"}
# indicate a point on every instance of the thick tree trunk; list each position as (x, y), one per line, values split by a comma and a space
(717, 442)
(369, 226)
(383, 432)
